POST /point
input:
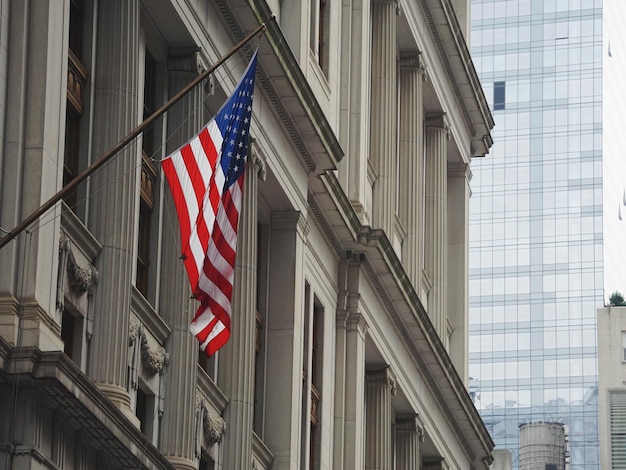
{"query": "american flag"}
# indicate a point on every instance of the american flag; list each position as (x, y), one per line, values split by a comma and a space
(206, 180)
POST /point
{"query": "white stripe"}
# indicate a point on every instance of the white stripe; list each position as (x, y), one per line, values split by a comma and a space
(202, 321)
(216, 135)
(214, 292)
(217, 329)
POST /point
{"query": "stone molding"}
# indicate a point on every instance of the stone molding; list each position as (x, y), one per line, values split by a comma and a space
(257, 159)
(438, 121)
(411, 424)
(381, 375)
(186, 60)
(414, 60)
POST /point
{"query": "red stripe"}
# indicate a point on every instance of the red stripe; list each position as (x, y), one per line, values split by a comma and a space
(183, 214)
(217, 278)
(217, 342)
(222, 246)
(209, 146)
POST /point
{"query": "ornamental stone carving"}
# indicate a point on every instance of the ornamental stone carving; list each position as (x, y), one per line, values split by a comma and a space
(213, 429)
(209, 428)
(81, 279)
(153, 360)
(133, 331)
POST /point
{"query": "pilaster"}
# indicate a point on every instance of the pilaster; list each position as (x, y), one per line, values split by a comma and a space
(459, 176)
(285, 336)
(356, 332)
(380, 386)
(237, 357)
(411, 171)
(184, 120)
(409, 434)
(355, 105)
(383, 117)
(115, 192)
(436, 236)
(33, 58)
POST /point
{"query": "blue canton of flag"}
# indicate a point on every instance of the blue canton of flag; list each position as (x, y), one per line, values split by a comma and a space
(233, 119)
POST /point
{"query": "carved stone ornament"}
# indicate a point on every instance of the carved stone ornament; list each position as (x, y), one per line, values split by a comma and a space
(213, 429)
(133, 331)
(153, 360)
(81, 279)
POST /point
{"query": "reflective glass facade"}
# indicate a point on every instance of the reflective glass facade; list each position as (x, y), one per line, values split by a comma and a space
(536, 234)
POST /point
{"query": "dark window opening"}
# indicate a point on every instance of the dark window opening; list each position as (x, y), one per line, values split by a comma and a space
(498, 95)
(144, 409)
(68, 330)
(76, 82)
(148, 179)
(206, 462)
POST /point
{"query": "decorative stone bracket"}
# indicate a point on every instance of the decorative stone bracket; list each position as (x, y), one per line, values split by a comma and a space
(81, 279)
(153, 360)
(209, 429)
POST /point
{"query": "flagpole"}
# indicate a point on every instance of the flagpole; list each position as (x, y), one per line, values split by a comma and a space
(68, 188)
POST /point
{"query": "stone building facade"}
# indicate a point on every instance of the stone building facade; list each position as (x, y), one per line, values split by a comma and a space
(349, 338)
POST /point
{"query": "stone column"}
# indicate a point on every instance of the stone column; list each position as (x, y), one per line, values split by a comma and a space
(383, 116)
(184, 120)
(33, 66)
(436, 220)
(115, 189)
(380, 386)
(356, 331)
(411, 171)
(237, 357)
(341, 369)
(409, 434)
(283, 411)
(355, 105)
(459, 176)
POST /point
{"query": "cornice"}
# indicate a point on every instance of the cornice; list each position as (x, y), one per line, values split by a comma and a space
(283, 61)
(65, 387)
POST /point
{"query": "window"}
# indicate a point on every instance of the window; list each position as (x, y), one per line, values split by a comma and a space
(144, 409)
(624, 346)
(148, 179)
(312, 379)
(498, 96)
(76, 81)
(71, 334)
(319, 39)
(206, 462)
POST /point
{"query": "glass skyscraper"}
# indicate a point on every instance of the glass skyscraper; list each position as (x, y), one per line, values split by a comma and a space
(536, 234)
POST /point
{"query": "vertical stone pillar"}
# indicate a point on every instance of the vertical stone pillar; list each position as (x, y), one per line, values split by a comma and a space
(380, 386)
(184, 120)
(459, 192)
(285, 331)
(409, 434)
(356, 332)
(33, 61)
(237, 357)
(115, 192)
(383, 115)
(411, 171)
(341, 367)
(355, 105)
(436, 220)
